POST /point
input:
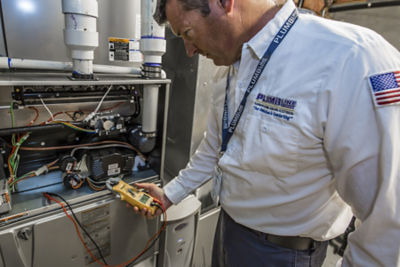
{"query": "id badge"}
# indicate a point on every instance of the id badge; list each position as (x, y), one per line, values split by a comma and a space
(216, 185)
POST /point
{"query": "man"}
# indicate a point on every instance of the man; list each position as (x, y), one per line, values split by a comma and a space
(304, 134)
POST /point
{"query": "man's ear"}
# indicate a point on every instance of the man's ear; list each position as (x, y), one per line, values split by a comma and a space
(227, 5)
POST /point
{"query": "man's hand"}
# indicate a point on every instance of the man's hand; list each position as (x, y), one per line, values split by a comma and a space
(155, 192)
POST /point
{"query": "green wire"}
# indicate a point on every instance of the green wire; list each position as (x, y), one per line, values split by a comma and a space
(20, 178)
(12, 113)
(16, 165)
(12, 121)
(14, 162)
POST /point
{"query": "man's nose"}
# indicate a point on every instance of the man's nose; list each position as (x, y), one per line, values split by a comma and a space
(191, 49)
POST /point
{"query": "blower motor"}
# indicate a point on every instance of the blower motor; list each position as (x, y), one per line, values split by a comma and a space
(105, 163)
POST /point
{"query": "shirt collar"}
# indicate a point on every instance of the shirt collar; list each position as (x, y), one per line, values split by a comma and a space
(258, 43)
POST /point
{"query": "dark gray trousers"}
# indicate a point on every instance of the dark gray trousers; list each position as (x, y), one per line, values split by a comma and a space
(238, 246)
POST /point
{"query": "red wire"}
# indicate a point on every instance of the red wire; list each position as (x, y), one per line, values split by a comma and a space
(88, 250)
(59, 113)
(76, 228)
(153, 237)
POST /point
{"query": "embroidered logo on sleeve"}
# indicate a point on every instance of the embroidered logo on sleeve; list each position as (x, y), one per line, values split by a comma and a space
(385, 88)
(275, 106)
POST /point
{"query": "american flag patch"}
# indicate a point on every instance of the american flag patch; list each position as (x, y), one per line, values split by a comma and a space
(386, 88)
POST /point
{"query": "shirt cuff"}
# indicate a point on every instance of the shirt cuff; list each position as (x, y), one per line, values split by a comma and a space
(174, 191)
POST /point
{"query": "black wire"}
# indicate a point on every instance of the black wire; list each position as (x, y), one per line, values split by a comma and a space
(97, 247)
(80, 225)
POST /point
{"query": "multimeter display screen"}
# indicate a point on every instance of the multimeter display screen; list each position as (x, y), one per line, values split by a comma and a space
(144, 198)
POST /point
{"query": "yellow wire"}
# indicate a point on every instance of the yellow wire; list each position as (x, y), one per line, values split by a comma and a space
(73, 126)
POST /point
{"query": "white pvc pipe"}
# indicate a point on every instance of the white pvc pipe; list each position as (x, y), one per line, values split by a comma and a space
(150, 104)
(152, 42)
(80, 33)
(116, 69)
(4, 62)
(19, 63)
(152, 46)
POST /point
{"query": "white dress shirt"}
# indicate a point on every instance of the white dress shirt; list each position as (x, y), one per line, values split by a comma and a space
(313, 144)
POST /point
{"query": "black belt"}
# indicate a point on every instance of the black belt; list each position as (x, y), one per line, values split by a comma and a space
(291, 242)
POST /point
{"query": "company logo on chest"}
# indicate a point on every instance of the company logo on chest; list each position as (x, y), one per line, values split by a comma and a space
(281, 108)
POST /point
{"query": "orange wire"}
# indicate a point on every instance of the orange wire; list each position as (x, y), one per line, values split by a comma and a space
(152, 238)
(93, 187)
(36, 116)
(76, 228)
(83, 111)
(112, 107)
(13, 216)
(49, 167)
(82, 145)
(78, 185)
(29, 176)
(105, 109)
(9, 166)
(90, 252)
(52, 163)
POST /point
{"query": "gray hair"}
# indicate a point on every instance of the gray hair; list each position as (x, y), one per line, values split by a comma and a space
(188, 5)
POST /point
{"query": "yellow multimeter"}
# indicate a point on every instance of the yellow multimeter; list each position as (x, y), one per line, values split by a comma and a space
(134, 197)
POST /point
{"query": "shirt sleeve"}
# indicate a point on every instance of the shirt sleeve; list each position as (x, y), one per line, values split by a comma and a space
(201, 165)
(362, 141)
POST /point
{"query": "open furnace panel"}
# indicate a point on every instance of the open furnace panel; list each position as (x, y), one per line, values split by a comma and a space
(68, 137)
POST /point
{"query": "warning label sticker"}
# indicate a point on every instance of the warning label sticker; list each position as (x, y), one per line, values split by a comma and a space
(123, 49)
